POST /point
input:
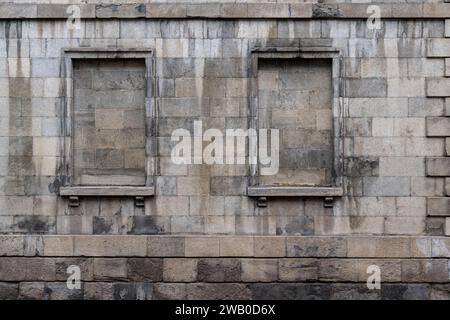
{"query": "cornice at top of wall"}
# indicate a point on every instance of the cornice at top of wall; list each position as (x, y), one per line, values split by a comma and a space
(225, 9)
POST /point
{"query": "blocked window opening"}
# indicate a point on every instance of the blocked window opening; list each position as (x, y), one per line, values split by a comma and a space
(109, 122)
(295, 96)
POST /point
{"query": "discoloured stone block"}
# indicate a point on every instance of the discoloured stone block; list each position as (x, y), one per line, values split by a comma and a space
(110, 245)
(180, 270)
(259, 270)
(145, 269)
(316, 247)
(379, 247)
(201, 247)
(438, 206)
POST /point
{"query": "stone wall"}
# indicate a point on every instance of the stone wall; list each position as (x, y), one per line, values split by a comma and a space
(386, 147)
(246, 267)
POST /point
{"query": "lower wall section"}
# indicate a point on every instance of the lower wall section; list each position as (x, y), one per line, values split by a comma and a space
(221, 291)
(254, 267)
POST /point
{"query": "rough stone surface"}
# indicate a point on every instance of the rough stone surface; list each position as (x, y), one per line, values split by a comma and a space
(365, 110)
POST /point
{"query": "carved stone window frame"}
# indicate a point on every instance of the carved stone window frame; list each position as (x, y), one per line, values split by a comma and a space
(254, 189)
(72, 191)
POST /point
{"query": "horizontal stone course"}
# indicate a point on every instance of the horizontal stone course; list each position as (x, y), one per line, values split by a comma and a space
(224, 270)
(227, 10)
(224, 246)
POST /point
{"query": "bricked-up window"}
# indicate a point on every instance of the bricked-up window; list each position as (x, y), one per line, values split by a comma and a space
(109, 122)
(297, 90)
(295, 97)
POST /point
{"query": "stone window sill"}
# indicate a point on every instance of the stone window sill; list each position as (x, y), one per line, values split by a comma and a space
(281, 191)
(110, 191)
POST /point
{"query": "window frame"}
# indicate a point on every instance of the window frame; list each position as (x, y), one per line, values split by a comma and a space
(255, 189)
(67, 170)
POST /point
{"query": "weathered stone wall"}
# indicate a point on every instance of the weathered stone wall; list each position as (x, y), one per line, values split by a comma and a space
(201, 70)
(246, 267)
(394, 95)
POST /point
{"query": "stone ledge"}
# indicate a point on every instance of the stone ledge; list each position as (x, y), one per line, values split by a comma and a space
(224, 246)
(226, 10)
(109, 191)
(271, 191)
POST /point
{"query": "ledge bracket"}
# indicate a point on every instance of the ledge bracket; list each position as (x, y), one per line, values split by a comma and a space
(74, 201)
(139, 202)
(261, 202)
(328, 202)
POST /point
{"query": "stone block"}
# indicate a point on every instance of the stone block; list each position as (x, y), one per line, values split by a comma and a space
(27, 269)
(61, 11)
(15, 11)
(217, 291)
(187, 224)
(259, 270)
(74, 225)
(316, 247)
(438, 126)
(169, 291)
(110, 246)
(180, 270)
(374, 87)
(234, 10)
(98, 291)
(447, 107)
(447, 67)
(201, 246)
(145, 269)
(31, 290)
(58, 246)
(165, 246)
(86, 266)
(203, 10)
(270, 247)
(290, 291)
(402, 166)
(438, 167)
(219, 270)
(9, 291)
(438, 206)
(338, 270)
(162, 10)
(438, 48)
(435, 226)
(390, 269)
(404, 226)
(416, 146)
(11, 245)
(120, 10)
(236, 246)
(433, 271)
(110, 269)
(34, 224)
(387, 186)
(379, 247)
(447, 186)
(298, 270)
(148, 224)
(228, 186)
(436, 10)
(438, 87)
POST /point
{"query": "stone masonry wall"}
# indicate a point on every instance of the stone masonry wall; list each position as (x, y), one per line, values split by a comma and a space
(394, 95)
